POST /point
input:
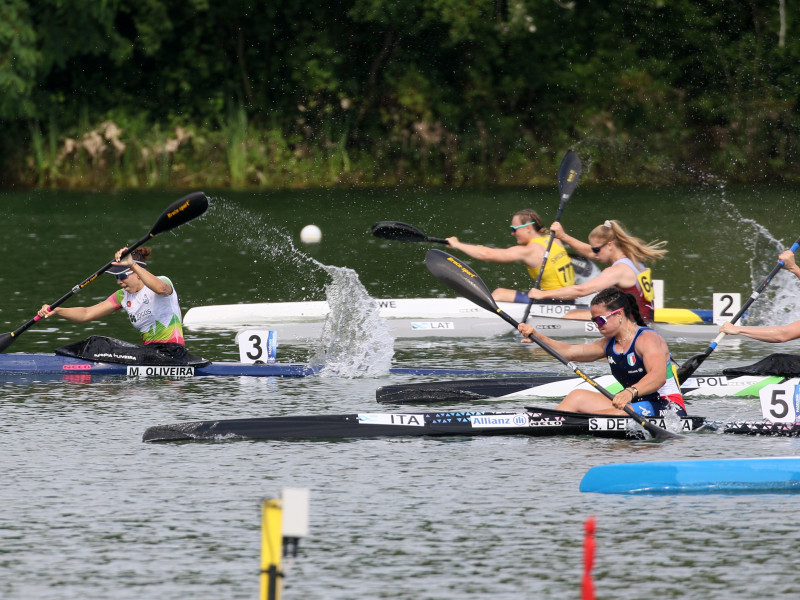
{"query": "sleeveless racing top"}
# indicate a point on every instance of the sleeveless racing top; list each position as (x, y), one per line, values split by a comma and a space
(643, 290)
(558, 272)
(628, 368)
(158, 318)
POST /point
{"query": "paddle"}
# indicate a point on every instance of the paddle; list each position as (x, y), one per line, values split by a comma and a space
(467, 283)
(568, 173)
(179, 212)
(690, 366)
(402, 232)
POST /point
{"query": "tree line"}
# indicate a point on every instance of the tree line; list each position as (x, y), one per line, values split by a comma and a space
(137, 93)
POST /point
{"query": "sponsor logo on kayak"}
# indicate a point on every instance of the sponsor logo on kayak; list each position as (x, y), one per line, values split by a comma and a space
(159, 371)
(76, 367)
(511, 420)
(432, 325)
(545, 423)
(411, 420)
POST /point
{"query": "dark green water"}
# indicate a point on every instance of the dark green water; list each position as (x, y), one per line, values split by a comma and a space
(247, 249)
(89, 511)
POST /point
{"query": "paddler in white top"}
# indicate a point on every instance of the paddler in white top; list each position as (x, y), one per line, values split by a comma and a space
(532, 239)
(150, 301)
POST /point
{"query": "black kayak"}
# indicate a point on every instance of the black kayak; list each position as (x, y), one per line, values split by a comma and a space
(530, 421)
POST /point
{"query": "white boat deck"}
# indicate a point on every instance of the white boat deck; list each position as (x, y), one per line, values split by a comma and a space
(414, 318)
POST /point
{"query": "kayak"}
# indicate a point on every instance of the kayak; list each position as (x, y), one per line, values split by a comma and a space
(532, 421)
(761, 428)
(780, 474)
(77, 368)
(743, 382)
(432, 317)
(558, 386)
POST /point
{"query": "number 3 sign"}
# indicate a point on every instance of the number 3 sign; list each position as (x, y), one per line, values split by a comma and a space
(257, 346)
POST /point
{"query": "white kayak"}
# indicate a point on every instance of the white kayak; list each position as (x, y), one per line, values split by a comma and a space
(432, 317)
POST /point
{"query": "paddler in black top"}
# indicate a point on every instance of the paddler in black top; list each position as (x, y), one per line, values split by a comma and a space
(638, 356)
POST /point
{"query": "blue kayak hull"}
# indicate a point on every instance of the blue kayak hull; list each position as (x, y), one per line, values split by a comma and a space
(76, 368)
(696, 476)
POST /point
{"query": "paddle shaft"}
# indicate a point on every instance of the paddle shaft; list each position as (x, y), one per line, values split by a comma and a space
(84, 283)
(568, 173)
(537, 284)
(178, 213)
(691, 365)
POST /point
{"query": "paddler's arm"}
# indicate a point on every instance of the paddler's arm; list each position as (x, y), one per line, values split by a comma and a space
(774, 334)
(580, 247)
(618, 275)
(80, 314)
(579, 352)
(159, 286)
(498, 255)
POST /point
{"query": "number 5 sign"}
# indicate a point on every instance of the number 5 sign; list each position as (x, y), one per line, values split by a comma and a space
(257, 346)
(779, 403)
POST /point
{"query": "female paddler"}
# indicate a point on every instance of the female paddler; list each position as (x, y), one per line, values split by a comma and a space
(638, 357)
(532, 239)
(151, 304)
(610, 243)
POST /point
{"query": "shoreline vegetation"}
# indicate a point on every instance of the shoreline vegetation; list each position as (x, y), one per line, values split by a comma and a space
(241, 157)
(380, 93)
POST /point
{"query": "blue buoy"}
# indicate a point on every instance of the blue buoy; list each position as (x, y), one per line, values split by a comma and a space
(779, 474)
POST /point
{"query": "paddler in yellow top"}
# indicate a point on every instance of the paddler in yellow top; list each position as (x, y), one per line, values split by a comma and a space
(532, 239)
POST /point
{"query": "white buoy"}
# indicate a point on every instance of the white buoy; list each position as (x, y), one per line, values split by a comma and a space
(310, 234)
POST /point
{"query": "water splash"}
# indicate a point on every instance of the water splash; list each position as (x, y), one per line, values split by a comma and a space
(779, 303)
(355, 340)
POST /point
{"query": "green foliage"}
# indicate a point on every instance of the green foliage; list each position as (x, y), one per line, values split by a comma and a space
(375, 92)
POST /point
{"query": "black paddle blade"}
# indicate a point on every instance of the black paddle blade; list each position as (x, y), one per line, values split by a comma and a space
(568, 173)
(397, 231)
(459, 276)
(6, 340)
(180, 212)
(690, 366)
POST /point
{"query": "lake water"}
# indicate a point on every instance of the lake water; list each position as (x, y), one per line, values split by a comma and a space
(89, 511)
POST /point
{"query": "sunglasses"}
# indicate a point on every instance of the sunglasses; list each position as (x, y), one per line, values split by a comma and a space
(515, 227)
(123, 276)
(596, 249)
(603, 319)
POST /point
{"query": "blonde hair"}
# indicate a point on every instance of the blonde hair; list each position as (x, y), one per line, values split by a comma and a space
(632, 247)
